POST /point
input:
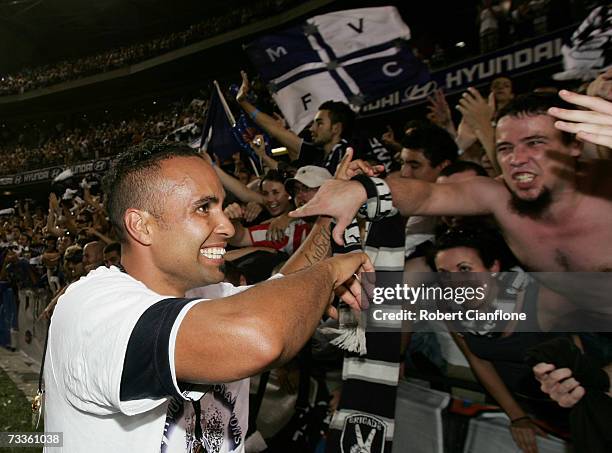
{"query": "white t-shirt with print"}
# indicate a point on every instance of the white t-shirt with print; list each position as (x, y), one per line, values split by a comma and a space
(88, 339)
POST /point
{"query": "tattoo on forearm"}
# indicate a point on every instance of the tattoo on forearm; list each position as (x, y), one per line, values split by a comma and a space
(319, 247)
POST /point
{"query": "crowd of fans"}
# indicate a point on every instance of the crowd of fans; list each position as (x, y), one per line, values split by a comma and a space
(46, 248)
(49, 247)
(43, 76)
(501, 23)
(39, 146)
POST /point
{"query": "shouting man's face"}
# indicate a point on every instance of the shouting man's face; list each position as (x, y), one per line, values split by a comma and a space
(536, 164)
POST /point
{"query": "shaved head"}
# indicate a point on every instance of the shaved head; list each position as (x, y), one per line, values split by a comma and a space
(93, 253)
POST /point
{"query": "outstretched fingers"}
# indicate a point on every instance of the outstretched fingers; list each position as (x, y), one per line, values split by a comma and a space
(350, 294)
(598, 139)
(581, 116)
(590, 102)
(343, 166)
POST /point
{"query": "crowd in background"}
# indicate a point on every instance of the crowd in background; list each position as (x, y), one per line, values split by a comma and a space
(43, 76)
(35, 146)
(499, 22)
(41, 145)
(502, 23)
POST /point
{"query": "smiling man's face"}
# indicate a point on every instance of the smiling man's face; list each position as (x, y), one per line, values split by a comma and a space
(191, 233)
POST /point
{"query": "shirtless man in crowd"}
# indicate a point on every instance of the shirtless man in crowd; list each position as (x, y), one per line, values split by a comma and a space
(554, 211)
(565, 207)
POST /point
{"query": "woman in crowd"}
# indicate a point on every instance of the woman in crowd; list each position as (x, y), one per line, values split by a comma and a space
(271, 193)
(281, 233)
(495, 349)
(276, 199)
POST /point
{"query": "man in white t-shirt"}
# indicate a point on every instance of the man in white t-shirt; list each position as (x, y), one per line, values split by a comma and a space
(132, 365)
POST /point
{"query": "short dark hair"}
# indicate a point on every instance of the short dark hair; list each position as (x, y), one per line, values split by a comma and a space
(112, 247)
(463, 165)
(276, 176)
(436, 143)
(487, 241)
(533, 104)
(87, 216)
(339, 112)
(74, 254)
(131, 183)
(502, 76)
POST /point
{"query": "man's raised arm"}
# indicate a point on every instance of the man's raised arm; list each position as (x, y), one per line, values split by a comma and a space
(268, 123)
(233, 185)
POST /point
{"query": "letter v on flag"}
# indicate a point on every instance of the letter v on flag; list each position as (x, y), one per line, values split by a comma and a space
(353, 56)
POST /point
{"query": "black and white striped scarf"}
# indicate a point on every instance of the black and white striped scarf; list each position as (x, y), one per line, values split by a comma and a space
(364, 420)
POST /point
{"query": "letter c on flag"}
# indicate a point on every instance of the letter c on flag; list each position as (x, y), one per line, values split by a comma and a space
(389, 72)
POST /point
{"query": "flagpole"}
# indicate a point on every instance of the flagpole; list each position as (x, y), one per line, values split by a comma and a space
(228, 112)
(254, 166)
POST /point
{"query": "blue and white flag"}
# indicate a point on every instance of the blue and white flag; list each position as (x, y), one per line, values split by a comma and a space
(217, 133)
(223, 135)
(352, 56)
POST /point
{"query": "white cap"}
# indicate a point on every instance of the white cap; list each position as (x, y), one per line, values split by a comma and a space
(310, 175)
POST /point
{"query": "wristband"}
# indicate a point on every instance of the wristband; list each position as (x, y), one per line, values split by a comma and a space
(379, 203)
(254, 113)
(368, 185)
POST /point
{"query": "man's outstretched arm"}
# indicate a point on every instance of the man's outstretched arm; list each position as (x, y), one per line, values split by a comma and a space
(317, 245)
(342, 199)
(238, 336)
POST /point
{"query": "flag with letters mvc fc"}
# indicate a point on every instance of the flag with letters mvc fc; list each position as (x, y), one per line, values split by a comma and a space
(352, 56)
